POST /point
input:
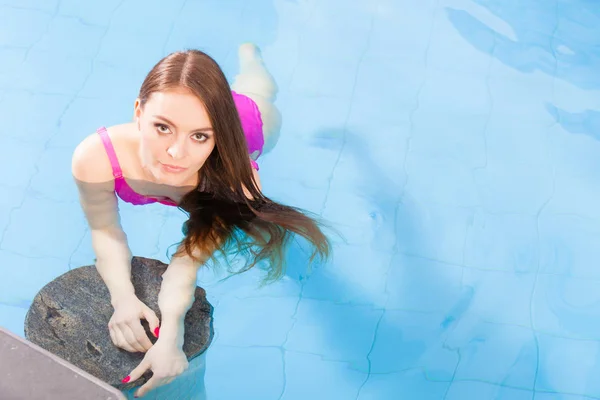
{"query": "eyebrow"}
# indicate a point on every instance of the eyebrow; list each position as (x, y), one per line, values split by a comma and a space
(164, 119)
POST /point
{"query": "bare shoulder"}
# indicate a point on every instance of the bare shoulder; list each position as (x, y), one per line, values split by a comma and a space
(90, 162)
(93, 176)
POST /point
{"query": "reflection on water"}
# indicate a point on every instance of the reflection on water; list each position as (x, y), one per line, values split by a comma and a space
(560, 39)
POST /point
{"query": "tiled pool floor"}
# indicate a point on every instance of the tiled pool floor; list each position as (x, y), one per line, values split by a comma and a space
(453, 143)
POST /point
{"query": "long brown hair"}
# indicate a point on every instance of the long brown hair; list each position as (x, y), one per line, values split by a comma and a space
(222, 218)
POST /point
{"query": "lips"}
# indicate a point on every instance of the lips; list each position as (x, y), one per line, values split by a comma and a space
(172, 168)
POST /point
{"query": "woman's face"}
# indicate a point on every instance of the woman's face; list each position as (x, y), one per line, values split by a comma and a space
(176, 136)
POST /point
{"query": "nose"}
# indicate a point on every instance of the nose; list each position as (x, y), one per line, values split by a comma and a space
(176, 150)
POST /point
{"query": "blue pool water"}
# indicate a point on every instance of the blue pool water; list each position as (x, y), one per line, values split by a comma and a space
(453, 143)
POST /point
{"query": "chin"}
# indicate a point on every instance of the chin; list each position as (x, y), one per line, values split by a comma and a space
(170, 179)
(174, 179)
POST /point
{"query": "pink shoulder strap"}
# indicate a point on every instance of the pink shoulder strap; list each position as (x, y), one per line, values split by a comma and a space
(110, 151)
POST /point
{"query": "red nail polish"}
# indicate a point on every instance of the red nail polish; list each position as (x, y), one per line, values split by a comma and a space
(156, 331)
(127, 378)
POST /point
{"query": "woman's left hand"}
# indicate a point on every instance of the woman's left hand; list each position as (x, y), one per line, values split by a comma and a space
(166, 360)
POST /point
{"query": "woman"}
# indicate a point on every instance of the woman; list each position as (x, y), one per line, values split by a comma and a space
(193, 144)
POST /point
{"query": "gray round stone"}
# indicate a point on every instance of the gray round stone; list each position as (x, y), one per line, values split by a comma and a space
(69, 318)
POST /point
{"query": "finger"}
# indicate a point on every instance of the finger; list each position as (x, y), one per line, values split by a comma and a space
(153, 321)
(132, 339)
(140, 335)
(121, 342)
(138, 371)
(114, 338)
(151, 384)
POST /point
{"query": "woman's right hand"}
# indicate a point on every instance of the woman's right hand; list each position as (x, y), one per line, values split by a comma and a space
(125, 327)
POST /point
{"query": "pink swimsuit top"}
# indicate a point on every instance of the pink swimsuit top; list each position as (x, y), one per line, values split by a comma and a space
(251, 124)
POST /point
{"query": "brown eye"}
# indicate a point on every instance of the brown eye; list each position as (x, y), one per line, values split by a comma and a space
(162, 128)
(200, 137)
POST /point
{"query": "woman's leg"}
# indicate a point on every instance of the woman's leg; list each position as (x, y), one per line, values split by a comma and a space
(255, 81)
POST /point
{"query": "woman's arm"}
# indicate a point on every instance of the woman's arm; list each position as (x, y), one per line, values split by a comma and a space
(166, 358)
(177, 290)
(93, 176)
(176, 297)
(99, 204)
